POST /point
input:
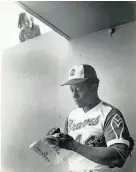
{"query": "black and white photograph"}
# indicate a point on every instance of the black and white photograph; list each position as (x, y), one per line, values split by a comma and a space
(68, 86)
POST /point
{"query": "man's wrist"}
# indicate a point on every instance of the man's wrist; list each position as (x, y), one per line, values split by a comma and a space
(73, 145)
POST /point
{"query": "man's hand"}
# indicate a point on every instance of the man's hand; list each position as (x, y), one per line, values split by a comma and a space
(53, 131)
(61, 140)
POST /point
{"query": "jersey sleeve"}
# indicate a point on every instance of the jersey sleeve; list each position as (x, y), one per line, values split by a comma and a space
(21, 38)
(115, 129)
(38, 31)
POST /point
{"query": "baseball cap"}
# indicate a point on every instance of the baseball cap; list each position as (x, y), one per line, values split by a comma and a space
(80, 73)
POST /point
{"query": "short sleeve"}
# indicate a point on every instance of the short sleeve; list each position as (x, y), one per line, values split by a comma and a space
(115, 128)
(21, 38)
(37, 30)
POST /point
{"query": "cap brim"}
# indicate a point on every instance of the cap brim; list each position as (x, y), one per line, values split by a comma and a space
(74, 81)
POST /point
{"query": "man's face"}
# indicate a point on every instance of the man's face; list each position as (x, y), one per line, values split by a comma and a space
(26, 22)
(83, 94)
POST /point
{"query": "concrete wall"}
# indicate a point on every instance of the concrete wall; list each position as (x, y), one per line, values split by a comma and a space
(33, 101)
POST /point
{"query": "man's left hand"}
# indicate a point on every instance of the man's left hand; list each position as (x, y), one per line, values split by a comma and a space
(61, 140)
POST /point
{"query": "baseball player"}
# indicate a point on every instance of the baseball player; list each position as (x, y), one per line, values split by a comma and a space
(96, 131)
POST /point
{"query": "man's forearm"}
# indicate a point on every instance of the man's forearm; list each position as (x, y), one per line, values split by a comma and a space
(101, 155)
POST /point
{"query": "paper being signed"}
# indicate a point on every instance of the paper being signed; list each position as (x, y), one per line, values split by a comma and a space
(51, 154)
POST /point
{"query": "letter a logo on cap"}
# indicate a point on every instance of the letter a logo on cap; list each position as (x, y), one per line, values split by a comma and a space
(72, 73)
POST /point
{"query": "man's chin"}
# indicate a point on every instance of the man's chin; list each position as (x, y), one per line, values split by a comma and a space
(27, 27)
(79, 105)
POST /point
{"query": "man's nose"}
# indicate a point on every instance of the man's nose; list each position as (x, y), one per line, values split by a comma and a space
(75, 94)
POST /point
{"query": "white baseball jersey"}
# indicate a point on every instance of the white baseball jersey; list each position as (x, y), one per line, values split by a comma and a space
(103, 121)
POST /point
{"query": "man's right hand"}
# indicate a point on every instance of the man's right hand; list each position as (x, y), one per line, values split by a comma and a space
(53, 131)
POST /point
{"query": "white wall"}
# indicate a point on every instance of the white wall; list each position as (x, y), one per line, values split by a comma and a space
(33, 101)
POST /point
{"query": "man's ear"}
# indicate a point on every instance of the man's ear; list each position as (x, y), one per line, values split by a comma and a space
(94, 87)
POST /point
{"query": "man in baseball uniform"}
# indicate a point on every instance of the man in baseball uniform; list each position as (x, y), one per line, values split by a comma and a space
(96, 131)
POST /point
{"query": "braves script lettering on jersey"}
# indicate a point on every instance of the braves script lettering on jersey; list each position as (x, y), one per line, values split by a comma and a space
(75, 126)
(104, 122)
